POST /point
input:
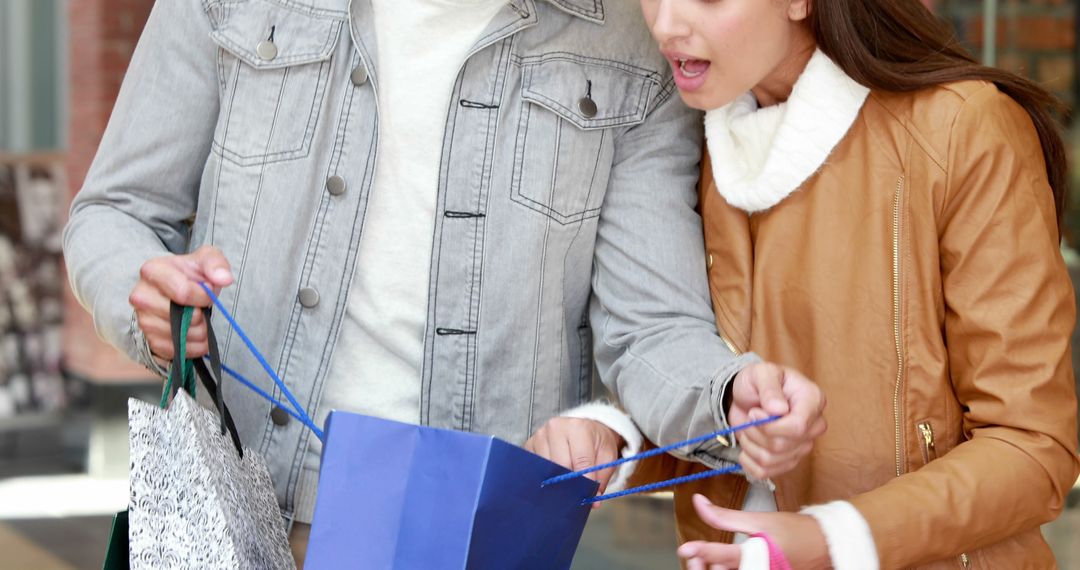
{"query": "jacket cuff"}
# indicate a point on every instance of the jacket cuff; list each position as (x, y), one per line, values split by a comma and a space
(614, 418)
(717, 453)
(851, 544)
(141, 349)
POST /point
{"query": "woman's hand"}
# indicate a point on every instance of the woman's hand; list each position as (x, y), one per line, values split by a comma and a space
(799, 536)
(763, 390)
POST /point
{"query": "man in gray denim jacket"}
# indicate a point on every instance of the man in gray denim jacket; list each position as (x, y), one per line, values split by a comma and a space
(248, 131)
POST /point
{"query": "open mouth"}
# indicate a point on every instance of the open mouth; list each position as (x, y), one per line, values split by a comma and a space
(692, 67)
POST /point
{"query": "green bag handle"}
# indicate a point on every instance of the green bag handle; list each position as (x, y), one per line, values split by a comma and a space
(183, 371)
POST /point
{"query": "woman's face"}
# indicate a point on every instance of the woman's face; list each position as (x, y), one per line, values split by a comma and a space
(720, 49)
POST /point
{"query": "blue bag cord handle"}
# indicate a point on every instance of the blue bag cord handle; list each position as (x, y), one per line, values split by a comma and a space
(658, 451)
(295, 409)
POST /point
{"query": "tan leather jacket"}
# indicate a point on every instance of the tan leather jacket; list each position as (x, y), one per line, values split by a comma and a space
(917, 278)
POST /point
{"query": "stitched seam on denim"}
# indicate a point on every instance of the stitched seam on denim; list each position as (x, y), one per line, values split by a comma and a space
(536, 331)
(548, 212)
(554, 185)
(666, 90)
(434, 267)
(584, 359)
(522, 22)
(314, 396)
(480, 229)
(222, 81)
(247, 246)
(305, 146)
(547, 209)
(222, 38)
(597, 11)
(519, 152)
(570, 246)
(285, 361)
(516, 182)
(254, 210)
(249, 57)
(656, 105)
(357, 228)
(221, 161)
(562, 219)
(638, 114)
(515, 189)
(313, 114)
(320, 13)
(314, 240)
(320, 373)
(635, 116)
(642, 72)
(431, 310)
(494, 121)
(540, 287)
(216, 11)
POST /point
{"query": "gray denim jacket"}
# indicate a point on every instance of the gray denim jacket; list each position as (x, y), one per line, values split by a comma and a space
(569, 167)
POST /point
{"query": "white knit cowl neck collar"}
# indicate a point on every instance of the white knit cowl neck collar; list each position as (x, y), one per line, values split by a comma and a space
(761, 155)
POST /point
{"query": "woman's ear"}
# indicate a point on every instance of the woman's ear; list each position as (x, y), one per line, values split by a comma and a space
(799, 10)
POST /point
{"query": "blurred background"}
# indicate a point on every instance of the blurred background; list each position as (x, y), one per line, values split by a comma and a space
(63, 423)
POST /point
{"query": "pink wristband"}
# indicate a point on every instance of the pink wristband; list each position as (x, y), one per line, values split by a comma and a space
(777, 560)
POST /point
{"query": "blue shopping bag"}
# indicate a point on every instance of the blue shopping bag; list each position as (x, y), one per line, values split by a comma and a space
(401, 496)
(395, 495)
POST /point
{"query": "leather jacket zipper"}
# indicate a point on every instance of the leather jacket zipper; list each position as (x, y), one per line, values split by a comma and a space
(730, 345)
(926, 432)
(896, 320)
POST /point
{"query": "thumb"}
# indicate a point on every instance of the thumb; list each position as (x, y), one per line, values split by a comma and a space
(769, 383)
(724, 519)
(213, 265)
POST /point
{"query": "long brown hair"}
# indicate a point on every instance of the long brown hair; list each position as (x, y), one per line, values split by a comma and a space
(900, 45)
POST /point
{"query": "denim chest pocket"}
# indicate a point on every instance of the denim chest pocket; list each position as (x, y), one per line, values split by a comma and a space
(572, 107)
(274, 66)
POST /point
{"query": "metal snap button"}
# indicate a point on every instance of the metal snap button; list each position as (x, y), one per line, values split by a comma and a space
(335, 185)
(279, 416)
(309, 297)
(359, 76)
(266, 50)
(587, 107)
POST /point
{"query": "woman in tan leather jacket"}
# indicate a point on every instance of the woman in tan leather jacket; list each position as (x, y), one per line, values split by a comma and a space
(882, 214)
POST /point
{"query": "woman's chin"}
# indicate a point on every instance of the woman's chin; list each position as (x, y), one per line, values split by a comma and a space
(706, 100)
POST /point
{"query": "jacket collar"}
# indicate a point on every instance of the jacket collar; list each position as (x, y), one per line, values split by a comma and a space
(760, 156)
(590, 10)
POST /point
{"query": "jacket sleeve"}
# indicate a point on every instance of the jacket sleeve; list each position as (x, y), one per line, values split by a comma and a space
(143, 184)
(656, 346)
(1009, 313)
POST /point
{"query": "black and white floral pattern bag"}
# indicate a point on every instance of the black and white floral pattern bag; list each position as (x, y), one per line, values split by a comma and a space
(198, 499)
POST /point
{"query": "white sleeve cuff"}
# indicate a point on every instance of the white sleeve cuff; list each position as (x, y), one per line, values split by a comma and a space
(621, 424)
(754, 554)
(851, 544)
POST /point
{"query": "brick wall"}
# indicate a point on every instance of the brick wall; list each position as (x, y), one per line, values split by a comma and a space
(1036, 38)
(103, 34)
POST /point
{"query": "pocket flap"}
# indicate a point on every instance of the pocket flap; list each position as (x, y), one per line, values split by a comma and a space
(620, 93)
(298, 36)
